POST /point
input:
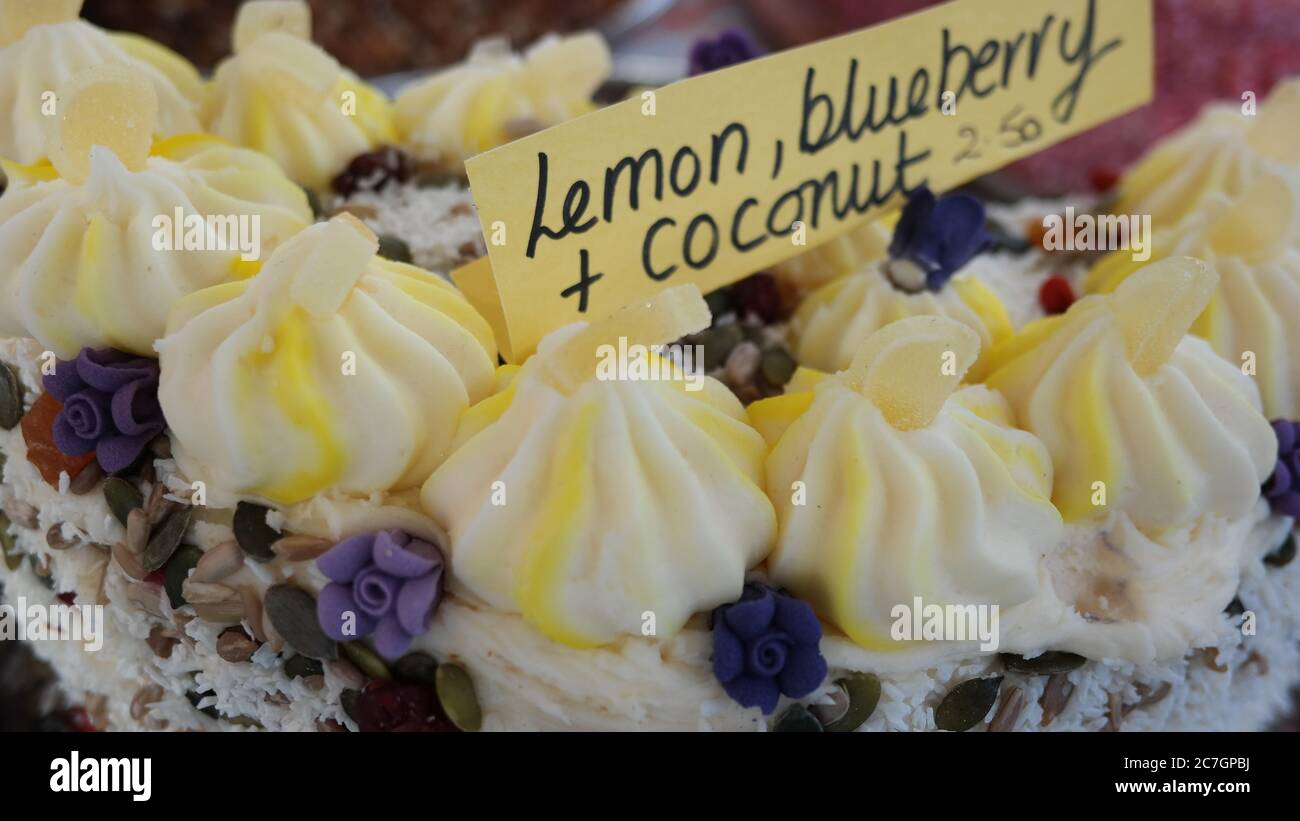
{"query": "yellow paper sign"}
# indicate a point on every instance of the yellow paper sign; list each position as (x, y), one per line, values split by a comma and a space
(712, 178)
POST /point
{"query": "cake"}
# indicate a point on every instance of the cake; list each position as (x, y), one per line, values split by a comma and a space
(308, 494)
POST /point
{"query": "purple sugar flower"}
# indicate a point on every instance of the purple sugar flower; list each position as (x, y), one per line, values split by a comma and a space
(110, 405)
(1283, 487)
(766, 645)
(384, 583)
(934, 238)
(729, 48)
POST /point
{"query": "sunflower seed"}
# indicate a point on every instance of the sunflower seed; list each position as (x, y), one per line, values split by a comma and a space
(300, 548)
(178, 570)
(797, 719)
(234, 645)
(253, 614)
(158, 507)
(1283, 555)
(967, 704)
(347, 673)
(367, 660)
(863, 691)
(145, 697)
(219, 562)
(11, 398)
(456, 694)
(22, 514)
(417, 667)
(228, 611)
(1056, 694)
(122, 497)
(161, 447)
(207, 592)
(1008, 713)
(314, 682)
(58, 540)
(1148, 697)
(161, 642)
(165, 539)
(1045, 664)
(148, 596)
(293, 613)
(742, 363)
(86, 480)
(1114, 713)
(252, 532)
(137, 531)
(128, 562)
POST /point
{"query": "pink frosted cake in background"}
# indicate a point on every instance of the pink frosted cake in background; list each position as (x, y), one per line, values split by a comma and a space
(308, 495)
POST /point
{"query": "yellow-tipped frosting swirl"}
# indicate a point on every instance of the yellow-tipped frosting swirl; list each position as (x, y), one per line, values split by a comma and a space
(1138, 417)
(497, 95)
(283, 95)
(585, 504)
(890, 484)
(331, 370)
(43, 45)
(1221, 152)
(849, 252)
(1253, 241)
(91, 256)
(835, 320)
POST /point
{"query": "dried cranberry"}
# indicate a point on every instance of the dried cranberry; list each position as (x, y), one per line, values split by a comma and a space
(758, 295)
(1102, 178)
(1055, 294)
(68, 598)
(397, 707)
(78, 720)
(373, 170)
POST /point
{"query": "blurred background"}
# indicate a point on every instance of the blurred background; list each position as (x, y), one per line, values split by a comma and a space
(1206, 49)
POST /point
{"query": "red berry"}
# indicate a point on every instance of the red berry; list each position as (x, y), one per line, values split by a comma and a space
(759, 295)
(399, 707)
(68, 598)
(1055, 294)
(158, 577)
(78, 720)
(1102, 178)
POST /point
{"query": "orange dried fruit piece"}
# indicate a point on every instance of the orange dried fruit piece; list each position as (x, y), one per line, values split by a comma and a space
(38, 432)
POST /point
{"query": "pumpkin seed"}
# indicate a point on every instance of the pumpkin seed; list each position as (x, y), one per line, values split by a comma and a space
(347, 672)
(1283, 555)
(157, 507)
(194, 698)
(164, 541)
(719, 302)
(8, 545)
(128, 562)
(1049, 663)
(122, 497)
(394, 248)
(778, 366)
(234, 645)
(456, 694)
(1013, 703)
(416, 667)
(366, 660)
(252, 532)
(797, 719)
(1235, 607)
(41, 569)
(967, 704)
(718, 343)
(348, 701)
(11, 398)
(1054, 698)
(299, 666)
(293, 614)
(86, 480)
(863, 691)
(179, 566)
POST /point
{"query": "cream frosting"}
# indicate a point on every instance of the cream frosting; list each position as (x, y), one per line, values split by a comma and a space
(585, 503)
(333, 370)
(837, 318)
(1138, 417)
(285, 96)
(851, 251)
(497, 95)
(43, 45)
(82, 265)
(888, 485)
(1253, 241)
(1222, 151)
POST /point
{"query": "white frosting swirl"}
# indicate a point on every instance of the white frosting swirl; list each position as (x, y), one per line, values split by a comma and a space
(81, 266)
(497, 95)
(331, 370)
(620, 498)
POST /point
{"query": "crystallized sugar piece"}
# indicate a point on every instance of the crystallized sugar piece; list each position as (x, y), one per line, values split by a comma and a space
(669, 315)
(1259, 224)
(1274, 134)
(17, 16)
(910, 367)
(106, 105)
(1156, 306)
(342, 252)
(289, 68)
(292, 17)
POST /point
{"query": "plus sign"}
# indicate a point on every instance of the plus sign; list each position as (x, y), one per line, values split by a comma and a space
(585, 280)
